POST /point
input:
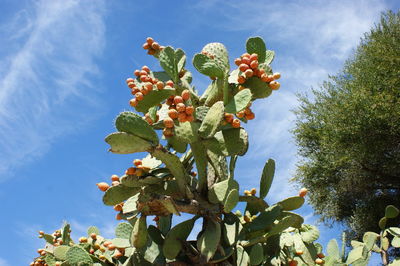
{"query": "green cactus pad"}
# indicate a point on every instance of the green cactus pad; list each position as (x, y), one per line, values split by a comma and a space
(130, 205)
(218, 257)
(208, 241)
(117, 194)
(265, 218)
(134, 124)
(239, 102)
(49, 238)
(78, 256)
(201, 112)
(50, 259)
(228, 142)
(169, 62)
(256, 254)
(175, 166)
(212, 120)
(170, 206)
(266, 68)
(214, 92)
(180, 58)
(121, 242)
(66, 236)
(130, 181)
(258, 88)
(139, 233)
(291, 203)
(93, 230)
(254, 204)
(208, 66)
(242, 258)
(220, 53)
(219, 165)
(154, 98)
(60, 252)
(124, 143)
(161, 76)
(219, 191)
(155, 235)
(309, 233)
(177, 144)
(173, 240)
(391, 212)
(123, 230)
(269, 57)
(333, 249)
(382, 223)
(267, 177)
(231, 200)
(256, 45)
(369, 239)
(186, 132)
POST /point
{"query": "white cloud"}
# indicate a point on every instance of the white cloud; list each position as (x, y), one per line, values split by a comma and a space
(45, 87)
(311, 39)
(3, 262)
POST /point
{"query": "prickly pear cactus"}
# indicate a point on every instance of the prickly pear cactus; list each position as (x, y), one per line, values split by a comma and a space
(193, 142)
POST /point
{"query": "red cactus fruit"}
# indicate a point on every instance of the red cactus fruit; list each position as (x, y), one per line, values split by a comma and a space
(185, 95)
(172, 113)
(241, 79)
(180, 107)
(146, 68)
(303, 192)
(254, 64)
(274, 85)
(160, 85)
(243, 67)
(248, 73)
(228, 117)
(178, 99)
(250, 116)
(149, 40)
(170, 83)
(114, 178)
(117, 207)
(139, 96)
(131, 171)
(189, 118)
(182, 117)
(189, 110)
(168, 122)
(238, 61)
(168, 132)
(240, 114)
(137, 162)
(236, 123)
(155, 46)
(253, 57)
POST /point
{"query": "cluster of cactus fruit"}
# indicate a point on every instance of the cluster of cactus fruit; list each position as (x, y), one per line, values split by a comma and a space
(199, 133)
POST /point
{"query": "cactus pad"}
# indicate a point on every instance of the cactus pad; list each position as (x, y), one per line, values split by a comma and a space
(117, 194)
(139, 232)
(256, 45)
(123, 230)
(154, 98)
(212, 120)
(267, 177)
(208, 241)
(78, 256)
(269, 57)
(208, 66)
(258, 88)
(186, 132)
(228, 142)
(124, 143)
(168, 61)
(134, 124)
(60, 252)
(173, 240)
(291, 203)
(219, 52)
(239, 102)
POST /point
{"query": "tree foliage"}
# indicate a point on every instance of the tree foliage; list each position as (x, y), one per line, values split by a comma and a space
(348, 133)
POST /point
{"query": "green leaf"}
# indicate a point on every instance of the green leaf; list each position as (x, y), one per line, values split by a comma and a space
(153, 98)
(169, 62)
(256, 254)
(265, 218)
(391, 211)
(208, 66)
(267, 177)
(123, 230)
(124, 143)
(292, 203)
(139, 233)
(269, 57)
(309, 233)
(231, 200)
(242, 258)
(257, 45)
(134, 124)
(258, 88)
(208, 242)
(239, 102)
(212, 120)
(173, 240)
(77, 255)
(117, 194)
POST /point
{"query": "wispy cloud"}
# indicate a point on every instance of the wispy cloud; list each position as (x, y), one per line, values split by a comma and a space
(45, 87)
(312, 39)
(3, 262)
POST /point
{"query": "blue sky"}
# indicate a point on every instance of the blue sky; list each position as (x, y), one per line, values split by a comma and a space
(63, 66)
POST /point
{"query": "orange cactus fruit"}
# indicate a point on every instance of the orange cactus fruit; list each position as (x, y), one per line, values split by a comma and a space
(182, 117)
(240, 114)
(149, 86)
(238, 61)
(293, 263)
(243, 67)
(236, 123)
(111, 246)
(246, 60)
(185, 95)
(189, 118)
(117, 207)
(117, 217)
(180, 107)
(137, 162)
(168, 122)
(146, 46)
(115, 183)
(189, 110)
(139, 96)
(253, 57)
(133, 102)
(168, 132)
(249, 73)
(130, 171)
(274, 85)
(228, 117)
(276, 75)
(254, 64)
(253, 191)
(146, 68)
(241, 79)
(178, 99)
(319, 261)
(173, 113)
(250, 116)
(155, 46)
(144, 91)
(299, 252)
(303, 192)
(320, 255)
(103, 186)
(170, 83)
(93, 236)
(160, 85)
